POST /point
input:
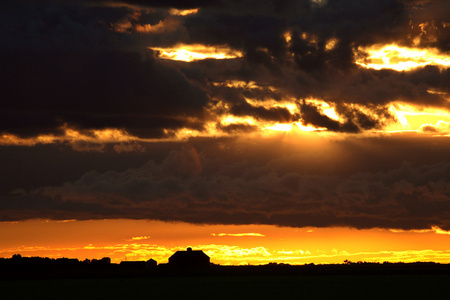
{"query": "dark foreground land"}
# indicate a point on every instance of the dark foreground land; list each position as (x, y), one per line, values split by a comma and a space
(342, 281)
(394, 286)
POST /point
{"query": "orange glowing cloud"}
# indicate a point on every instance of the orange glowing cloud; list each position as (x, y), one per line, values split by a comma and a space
(402, 58)
(434, 229)
(183, 12)
(78, 139)
(420, 119)
(197, 52)
(238, 234)
(139, 238)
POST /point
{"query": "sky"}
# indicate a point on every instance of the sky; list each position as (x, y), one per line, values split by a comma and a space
(304, 131)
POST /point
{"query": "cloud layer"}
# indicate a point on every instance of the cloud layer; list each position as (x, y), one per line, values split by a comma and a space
(303, 189)
(88, 66)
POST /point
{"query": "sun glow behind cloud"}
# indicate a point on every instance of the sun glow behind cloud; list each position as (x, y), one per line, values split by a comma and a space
(406, 118)
(413, 118)
(402, 58)
(193, 52)
(295, 126)
(222, 122)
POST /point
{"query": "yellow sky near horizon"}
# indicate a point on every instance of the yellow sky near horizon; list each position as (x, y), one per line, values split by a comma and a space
(225, 244)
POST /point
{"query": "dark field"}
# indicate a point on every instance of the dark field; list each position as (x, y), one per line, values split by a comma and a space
(234, 287)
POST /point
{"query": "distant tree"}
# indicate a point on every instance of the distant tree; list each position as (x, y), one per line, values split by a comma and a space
(17, 257)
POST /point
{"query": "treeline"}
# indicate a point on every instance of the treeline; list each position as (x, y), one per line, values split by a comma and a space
(18, 267)
(17, 262)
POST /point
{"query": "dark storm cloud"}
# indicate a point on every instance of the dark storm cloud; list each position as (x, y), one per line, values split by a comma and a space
(380, 87)
(250, 25)
(433, 77)
(233, 128)
(240, 192)
(179, 4)
(101, 90)
(29, 168)
(86, 64)
(61, 65)
(327, 73)
(312, 116)
(255, 27)
(236, 98)
(55, 25)
(429, 23)
(275, 114)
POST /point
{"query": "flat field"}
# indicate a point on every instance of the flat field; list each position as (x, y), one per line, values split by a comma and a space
(233, 287)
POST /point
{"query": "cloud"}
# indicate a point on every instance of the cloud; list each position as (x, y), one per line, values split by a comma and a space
(69, 68)
(288, 44)
(238, 234)
(441, 127)
(312, 116)
(164, 3)
(96, 91)
(243, 190)
(89, 66)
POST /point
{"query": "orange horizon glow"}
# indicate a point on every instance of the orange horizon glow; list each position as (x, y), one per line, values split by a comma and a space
(225, 244)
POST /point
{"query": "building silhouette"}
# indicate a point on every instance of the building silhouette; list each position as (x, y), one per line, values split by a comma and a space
(189, 259)
(151, 264)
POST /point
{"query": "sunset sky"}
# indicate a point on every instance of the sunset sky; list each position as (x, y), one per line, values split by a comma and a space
(307, 131)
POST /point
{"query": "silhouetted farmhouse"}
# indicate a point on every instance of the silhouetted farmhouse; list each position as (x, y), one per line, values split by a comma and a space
(189, 259)
(151, 264)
